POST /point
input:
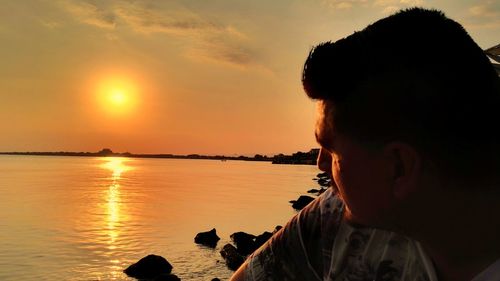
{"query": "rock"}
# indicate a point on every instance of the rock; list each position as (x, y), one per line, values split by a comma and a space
(166, 277)
(232, 257)
(248, 243)
(149, 267)
(316, 192)
(208, 238)
(322, 175)
(245, 243)
(313, 190)
(277, 228)
(300, 203)
(261, 239)
(324, 182)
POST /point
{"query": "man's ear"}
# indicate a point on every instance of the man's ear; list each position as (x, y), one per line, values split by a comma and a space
(406, 166)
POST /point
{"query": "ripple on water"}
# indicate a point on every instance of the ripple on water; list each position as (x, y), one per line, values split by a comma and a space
(71, 218)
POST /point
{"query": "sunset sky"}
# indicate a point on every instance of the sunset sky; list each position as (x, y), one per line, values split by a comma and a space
(191, 76)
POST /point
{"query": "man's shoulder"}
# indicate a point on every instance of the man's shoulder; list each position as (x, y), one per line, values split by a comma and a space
(295, 251)
(318, 244)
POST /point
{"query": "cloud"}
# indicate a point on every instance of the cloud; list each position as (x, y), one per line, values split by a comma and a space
(342, 4)
(208, 40)
(112, 37)
(412, 2)
(392, 6)
(50, 24)
(91, 14)
(220, 53)
(146, 20)
(385, 2)
(485, 15)
(391, 9)
(221, 48)
(399, 3)
(486, 10)
(205, 40)
(388, 6)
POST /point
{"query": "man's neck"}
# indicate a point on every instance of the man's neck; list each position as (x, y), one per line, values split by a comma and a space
(463, 241)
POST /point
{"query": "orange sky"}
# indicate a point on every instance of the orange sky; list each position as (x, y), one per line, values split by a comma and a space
(208, 77)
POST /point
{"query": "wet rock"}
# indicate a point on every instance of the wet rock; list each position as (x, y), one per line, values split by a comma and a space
(317, 192)
(277, 228)
(232, 257)
(149, 267)
(167, 277)
(208, 238)
(300, 203)
(245, 243)
(322, 175)
(261, 239)
(324, 179)
(324, 182)
(313, 190)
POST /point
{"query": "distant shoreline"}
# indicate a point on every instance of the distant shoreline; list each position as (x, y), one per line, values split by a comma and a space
(298, 158)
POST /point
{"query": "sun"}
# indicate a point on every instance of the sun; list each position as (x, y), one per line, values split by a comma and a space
(117, 95)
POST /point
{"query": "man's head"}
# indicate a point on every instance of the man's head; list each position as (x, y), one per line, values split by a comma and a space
(412, 89)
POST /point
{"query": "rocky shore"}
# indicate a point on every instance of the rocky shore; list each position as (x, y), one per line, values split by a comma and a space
(157, 268)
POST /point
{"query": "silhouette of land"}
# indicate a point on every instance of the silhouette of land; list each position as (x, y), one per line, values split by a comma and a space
(302, 158)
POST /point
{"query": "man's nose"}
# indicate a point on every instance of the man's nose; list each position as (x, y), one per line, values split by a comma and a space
(324, 161)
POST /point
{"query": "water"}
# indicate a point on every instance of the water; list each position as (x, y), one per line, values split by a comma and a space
(78, 218)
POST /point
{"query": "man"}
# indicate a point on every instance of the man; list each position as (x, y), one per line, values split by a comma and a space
(408, 111)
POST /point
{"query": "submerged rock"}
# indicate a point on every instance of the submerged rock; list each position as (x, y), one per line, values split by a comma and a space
(208, 238)
(149, 267)
(300, 203)
(232, 257)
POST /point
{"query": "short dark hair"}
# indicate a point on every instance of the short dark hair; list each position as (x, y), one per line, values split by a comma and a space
(415, 76)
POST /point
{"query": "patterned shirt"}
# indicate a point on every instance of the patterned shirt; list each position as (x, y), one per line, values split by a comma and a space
(492, 273)
(317, 244)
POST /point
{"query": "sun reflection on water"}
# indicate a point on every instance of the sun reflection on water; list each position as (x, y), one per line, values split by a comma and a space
(117, 166)
(113, 198)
